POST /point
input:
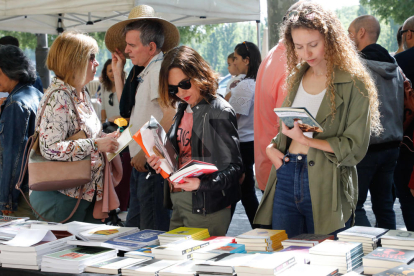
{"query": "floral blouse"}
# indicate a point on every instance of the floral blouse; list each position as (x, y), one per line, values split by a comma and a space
(59, 122)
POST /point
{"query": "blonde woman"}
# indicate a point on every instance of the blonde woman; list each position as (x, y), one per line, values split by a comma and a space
(312, 187)
(72, 58)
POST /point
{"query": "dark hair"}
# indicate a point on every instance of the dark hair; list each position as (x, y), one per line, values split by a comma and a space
(16, 66)
(9, 40)
(231, 56)
(194, 67)
(250, 50)
(150, 31)
(399, 36)
(106, 82)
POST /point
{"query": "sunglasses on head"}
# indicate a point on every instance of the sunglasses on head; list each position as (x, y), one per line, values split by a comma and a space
(184, 84)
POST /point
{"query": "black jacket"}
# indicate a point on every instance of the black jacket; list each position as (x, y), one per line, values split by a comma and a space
(214, 140)
(127, 101)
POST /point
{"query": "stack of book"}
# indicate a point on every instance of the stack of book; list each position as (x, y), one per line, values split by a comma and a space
(346, 256)
(75, 260)
(20, 252)
(10, 229)
(142, 253)
(184, 233)
(113, 265)
(312, 270)
(382, 259)
(368, 236)
(106, 232)
(218, 249)
(265, 264)
(402, 270)
(398, 239)
(262, 239)
(147, 268)
(6, 220)
(181, 268)
(178, 250)
(306, 240)
(301, 253)
(222, 264)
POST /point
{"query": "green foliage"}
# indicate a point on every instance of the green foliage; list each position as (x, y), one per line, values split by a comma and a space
(388, 36)
(398, 10)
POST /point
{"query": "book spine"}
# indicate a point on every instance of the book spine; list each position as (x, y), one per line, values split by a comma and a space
(188, 250)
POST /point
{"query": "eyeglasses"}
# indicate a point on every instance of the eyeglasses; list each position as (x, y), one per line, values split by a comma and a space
(92, 57)
(245, 44)
(406, 31)
(111, 99)
(184, 84)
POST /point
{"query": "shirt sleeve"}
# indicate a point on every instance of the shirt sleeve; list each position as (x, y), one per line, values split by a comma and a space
(242, 96)
(58, 123)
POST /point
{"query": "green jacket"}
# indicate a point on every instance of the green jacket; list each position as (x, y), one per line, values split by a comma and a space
(333, 181)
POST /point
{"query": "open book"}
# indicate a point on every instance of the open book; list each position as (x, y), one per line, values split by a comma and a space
(153, 141)
(124, 140)
(300, 114)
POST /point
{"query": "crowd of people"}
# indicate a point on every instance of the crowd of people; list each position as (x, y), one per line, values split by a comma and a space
(312, 182)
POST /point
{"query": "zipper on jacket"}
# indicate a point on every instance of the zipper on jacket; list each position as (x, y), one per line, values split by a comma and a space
(202, 139)
(204, 208)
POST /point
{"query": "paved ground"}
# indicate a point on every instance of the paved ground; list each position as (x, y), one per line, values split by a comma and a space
(240, 224)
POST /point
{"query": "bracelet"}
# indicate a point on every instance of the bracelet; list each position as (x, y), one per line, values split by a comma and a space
(95, 145)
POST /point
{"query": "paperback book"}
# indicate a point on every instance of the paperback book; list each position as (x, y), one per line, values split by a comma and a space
(383, 258)
(142, 253)
(308, 240)
(112, 266)
(289, 115)
(150, 267)
(402, 270)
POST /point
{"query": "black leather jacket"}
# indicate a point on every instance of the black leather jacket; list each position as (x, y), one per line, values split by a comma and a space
(214, 140)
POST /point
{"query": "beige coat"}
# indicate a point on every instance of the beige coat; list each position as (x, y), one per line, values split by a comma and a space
(333, 181)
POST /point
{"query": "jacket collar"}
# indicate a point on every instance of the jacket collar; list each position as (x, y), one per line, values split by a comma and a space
(17, 88)
(325, 107)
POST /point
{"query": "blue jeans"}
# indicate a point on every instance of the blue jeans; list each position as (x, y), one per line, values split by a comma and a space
(146, 210)
(402, 176)
(376, 173)
(292, 206)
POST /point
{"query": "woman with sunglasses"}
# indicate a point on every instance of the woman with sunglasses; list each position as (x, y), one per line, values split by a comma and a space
(110, 104)
(204, 129)
(313, 187)
(247, 60)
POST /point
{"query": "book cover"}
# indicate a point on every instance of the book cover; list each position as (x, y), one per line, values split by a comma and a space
(124, 140)
(113, 265)
(361, 231)
(229, 248)
(337, 248)
(216, 239)
(144, 252)
(312, 237)
(192, 168)
(402, 270)
(257, 234)
(382, 254)
(307, 122)
(77, 253)
(398, 235)
(185, 231)
(266, 264)
(180, 247)
(142, 237)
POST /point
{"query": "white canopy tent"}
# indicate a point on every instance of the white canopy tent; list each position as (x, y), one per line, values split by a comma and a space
(54, 16)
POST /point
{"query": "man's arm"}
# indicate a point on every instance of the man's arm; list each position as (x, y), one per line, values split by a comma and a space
(118, 63)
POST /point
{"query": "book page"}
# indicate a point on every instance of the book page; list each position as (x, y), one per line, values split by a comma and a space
(124, 139)
(29, 237)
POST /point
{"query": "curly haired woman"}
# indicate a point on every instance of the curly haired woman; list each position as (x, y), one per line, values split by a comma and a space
(315, 173)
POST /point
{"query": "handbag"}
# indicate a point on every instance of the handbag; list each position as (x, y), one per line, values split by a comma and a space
(48, 175)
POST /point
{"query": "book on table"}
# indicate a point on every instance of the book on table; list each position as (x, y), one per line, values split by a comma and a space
(149, 267)
(74, 227)
(153, 141)
(301, 253)
(216, 249)
(383, 258)
(262, 239)
(75, 260)
(368, 236)
(223, 263)
(398, 239)
(310, 270)
(144, 237)
(308, 240)
(183, 233)
(6, 220)
(264, 264)
(112, 266)
(106, 232)
(181, 268)
(402, 270)
(307, 123)
(124, 246)
(124, 140)
(180, 247)
(142, 253)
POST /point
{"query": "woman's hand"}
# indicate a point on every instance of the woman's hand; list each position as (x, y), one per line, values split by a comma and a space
(294, 133)
(114, 134)
(107, 144)
(154, 162)
(190, 184)
(275, 155)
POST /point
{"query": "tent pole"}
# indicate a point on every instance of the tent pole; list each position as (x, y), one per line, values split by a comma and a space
(258, 34)
(41, 55)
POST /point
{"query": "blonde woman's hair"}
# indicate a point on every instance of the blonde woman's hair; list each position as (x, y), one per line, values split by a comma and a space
(340, 52)
(69, 56)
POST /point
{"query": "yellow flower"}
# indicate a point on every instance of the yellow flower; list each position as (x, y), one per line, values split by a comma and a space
(121, 122)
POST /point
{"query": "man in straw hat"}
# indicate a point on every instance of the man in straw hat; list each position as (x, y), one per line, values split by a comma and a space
(143, 38)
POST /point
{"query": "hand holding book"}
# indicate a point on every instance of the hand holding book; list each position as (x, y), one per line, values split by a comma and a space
(295, 133)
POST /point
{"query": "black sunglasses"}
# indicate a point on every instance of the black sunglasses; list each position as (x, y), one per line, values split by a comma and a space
(111, 99)
(184, 84)
(406, 31)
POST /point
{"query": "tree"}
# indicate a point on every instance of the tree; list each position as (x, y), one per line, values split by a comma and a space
(276, 10)
(398, 10)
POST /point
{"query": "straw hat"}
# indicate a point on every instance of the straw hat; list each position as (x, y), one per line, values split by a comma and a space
(114, 37)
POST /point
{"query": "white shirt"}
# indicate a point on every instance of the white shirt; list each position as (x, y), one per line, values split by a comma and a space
(311, 102)
(242, 100)
(146, 103)
(110, 110)
(237, 78)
